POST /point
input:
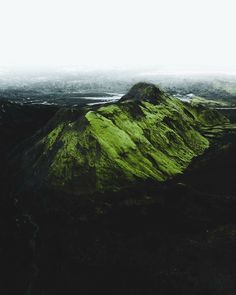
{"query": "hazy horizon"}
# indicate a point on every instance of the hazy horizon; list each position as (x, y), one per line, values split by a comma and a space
(166, 35)
(145, 71)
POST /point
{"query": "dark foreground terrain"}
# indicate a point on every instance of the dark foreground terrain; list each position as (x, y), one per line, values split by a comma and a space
(173, 238)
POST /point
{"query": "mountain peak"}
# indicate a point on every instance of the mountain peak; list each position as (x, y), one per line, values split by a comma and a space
(144, 91)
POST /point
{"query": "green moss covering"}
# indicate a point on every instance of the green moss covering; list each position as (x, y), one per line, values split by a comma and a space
(117, 145)
(52, 136)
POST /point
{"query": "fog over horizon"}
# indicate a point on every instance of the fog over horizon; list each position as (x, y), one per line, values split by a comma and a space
(166, 36)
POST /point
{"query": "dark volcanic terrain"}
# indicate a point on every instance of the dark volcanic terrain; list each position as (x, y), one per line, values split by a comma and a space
(162, 232)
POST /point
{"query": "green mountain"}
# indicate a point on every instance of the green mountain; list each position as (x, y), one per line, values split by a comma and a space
(146, 135)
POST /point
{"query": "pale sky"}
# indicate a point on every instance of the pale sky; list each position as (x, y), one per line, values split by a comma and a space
(185, 34)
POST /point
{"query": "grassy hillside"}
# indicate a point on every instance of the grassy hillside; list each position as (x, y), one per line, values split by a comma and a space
(147, 135)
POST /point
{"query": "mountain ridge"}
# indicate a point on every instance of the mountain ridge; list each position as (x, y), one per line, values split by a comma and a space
(146, 135)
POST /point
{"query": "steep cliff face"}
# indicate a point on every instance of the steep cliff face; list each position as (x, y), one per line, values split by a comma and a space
(147, 135)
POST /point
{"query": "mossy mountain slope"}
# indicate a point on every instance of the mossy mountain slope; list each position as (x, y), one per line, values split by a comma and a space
(114, 146)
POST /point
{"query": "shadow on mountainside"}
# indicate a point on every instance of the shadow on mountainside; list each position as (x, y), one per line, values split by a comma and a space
(173, 238)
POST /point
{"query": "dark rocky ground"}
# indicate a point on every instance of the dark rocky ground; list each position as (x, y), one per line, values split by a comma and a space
(176, 238)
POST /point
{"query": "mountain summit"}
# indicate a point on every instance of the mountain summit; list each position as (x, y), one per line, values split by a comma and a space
(144, 91)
